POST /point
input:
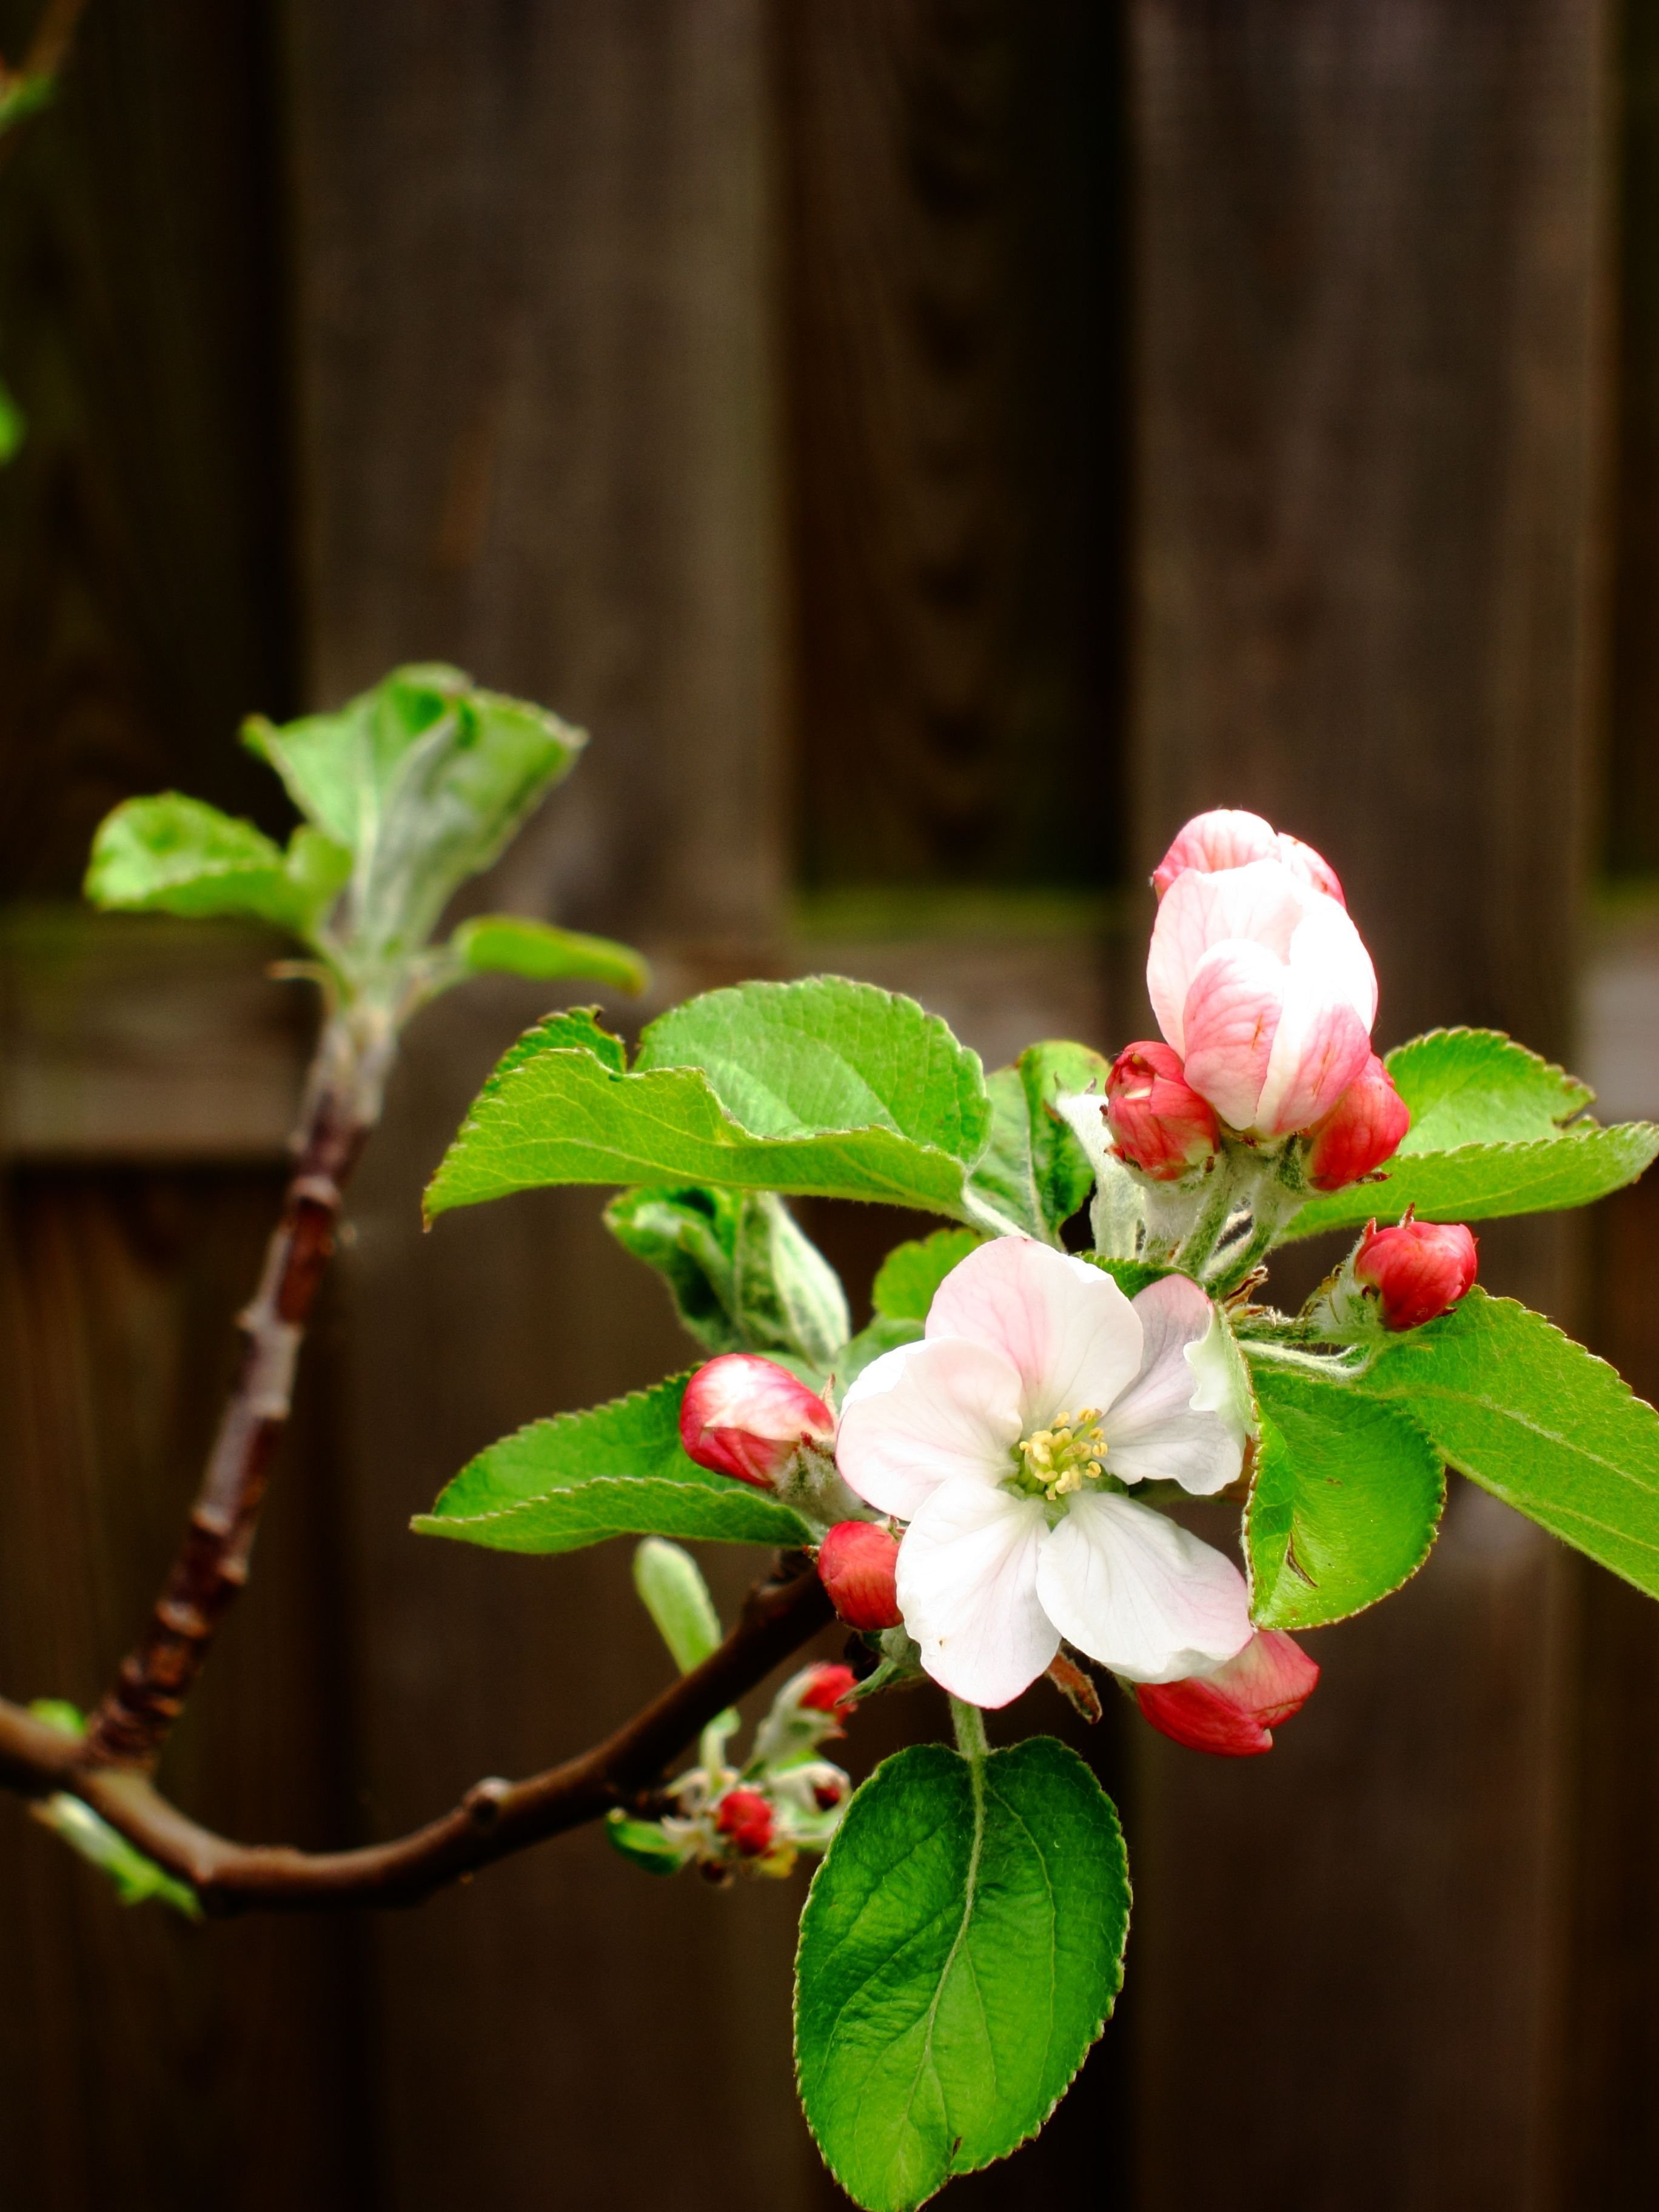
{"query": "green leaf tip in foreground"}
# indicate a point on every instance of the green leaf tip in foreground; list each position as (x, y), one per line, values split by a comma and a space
(825, 1088)
(1035, 1173)
(673, 1592)
(1547, 1426)
(616, 1470)
(171, 854)
(1346, 1502)
(423, 778)
(511, 945)
(961, 1949)
(137, 1878)
(1495, 1130)
(911, 1273)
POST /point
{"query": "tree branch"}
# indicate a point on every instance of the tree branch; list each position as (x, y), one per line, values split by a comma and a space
(494, 1819)
(211, 1567)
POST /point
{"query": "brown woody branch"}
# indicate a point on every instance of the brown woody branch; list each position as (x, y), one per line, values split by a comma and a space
(211, 1567)
(494, 1819)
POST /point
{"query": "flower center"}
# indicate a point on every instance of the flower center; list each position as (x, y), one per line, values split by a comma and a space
(1061, 1458)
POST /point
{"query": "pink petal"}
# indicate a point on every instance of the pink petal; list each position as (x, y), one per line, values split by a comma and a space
(1262, 903)
(1065, 1325)
(1231, 1019)
(1313, 867)
(1226, 837)
(1319, 1047)
(924, 1414)
(1139, 1595)
(967, 1583)
(1178, 1420)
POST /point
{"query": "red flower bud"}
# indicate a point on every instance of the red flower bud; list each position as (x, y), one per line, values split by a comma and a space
(1159, 1122)
(1418, 1269)
(825, 1688)
(1233, 1711)
(1363, 1128)
(744, 1818)
(857, 1561)
(828, 1793)
(746, 1416)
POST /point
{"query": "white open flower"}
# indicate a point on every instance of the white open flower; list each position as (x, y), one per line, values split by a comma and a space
(997, 1437)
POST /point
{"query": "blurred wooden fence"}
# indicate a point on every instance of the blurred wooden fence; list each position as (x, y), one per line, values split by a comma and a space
(935, 445)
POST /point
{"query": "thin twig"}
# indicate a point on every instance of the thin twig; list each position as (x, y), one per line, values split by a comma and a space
(494, 1819)
(211, 1567)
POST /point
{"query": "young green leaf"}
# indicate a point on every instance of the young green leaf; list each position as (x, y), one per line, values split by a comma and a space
(170, 855)
(137, 1878)
(961, 1949)
(616, 1470)
(673, 1592)
(745, 1276)
(1542, 1424)
(422, 780)
(1035, 1173)
(1478, 1087)
(825, 1087)
(1480, 1183)
(512, 945)
(911, 1273)
(1345, 1505)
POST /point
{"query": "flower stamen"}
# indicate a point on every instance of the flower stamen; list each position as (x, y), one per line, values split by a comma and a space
(1069, 1452)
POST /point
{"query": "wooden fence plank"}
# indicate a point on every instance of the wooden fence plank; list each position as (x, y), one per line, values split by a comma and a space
(1367, 249)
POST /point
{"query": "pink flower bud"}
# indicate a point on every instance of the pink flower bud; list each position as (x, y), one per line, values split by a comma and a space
(745, 1819)
(1226, 838)
(746, 1416)
(1159, 1122)
(824, 1687)
(1262, 985)
(827, 1794)
(1363, 1128)
(1233, 1711)
(1418, 1269)
(857, 1563)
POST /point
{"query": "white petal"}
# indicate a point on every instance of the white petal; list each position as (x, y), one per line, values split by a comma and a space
(1139, 1595)
(1084, 1114)
(967, 1587)
(1260, 903)
(1183, 1419)
(1327, 944)
(924, 1414)
(1319, 1047)
(1065, 1326)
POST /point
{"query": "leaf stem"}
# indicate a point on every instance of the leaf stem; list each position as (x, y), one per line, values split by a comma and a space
(969, 1721)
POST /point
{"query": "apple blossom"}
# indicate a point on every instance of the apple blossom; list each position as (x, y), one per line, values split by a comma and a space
(1159, 1122)
(1006, 1438)
(1418, 1269)
(744, 1818)
(1232, 1709)
(1227, 837)
(856, 1565)
(1262, 985)
(746, 1416)
(1365, 1128)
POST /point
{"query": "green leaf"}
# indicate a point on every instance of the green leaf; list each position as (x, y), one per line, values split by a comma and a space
(961, 1949)
(1345, 1505)
(1480, 1183)
(1035, 1174)
(1130, 1276)
(13, 427)
(1538, 1421)
(576, 1029)
(616, 1470)
(137, 1878)
(511, 945)
(170, 855)
(422, 780)
(824, 1087)
(673, 1592)
(911, 1273)
(643, 1843)
(884, 1334)
(1480, 1087)
(743, 1274)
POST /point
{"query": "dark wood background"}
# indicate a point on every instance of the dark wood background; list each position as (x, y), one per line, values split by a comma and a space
(935, 445)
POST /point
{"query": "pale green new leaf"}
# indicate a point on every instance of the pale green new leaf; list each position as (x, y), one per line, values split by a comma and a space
(1495, 1130)
(1035, 1173)
(171, 854)
(1346, 1502)
(743, 1274)
(1542, 1424)
(616, 1470)
(961, 1949)
(673, 1592)
(911, 1273)
(424, 779)
(512, 945)
(827, 1087)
